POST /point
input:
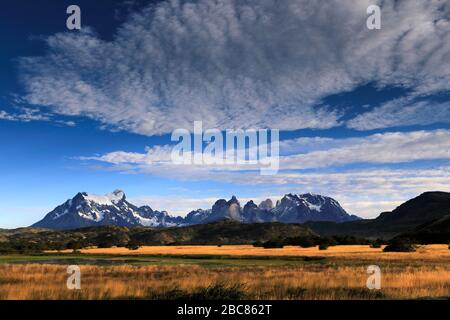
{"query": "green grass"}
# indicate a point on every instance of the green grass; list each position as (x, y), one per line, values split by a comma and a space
(204, 260)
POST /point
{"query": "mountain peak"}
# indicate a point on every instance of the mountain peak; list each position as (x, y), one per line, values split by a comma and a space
(266, 204)
(105, 200)
(117, 195)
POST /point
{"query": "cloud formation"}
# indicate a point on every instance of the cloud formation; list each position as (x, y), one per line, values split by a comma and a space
(300, 154)
(28, 115)
(402, 112)
(241, 64)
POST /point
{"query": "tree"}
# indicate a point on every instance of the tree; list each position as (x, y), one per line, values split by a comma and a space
(74, 245)
(133, 245)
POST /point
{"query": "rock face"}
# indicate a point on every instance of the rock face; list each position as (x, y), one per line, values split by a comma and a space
(85, 210)
(290, 209)
(266, 205)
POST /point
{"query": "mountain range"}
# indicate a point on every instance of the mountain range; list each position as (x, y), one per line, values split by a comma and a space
(86, 210)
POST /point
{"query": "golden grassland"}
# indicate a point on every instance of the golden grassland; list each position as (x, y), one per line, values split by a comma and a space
(435, 252)
(421, 274)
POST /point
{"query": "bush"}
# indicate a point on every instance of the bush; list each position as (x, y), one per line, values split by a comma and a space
(377, 243)
(307, 243)
(273, 244)
(74, 245)
(323, 246)
(257, 244)
(133, 245)
(400, 245)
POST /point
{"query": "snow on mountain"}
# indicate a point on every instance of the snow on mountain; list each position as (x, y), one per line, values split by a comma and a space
(310, 207)
(85, 210)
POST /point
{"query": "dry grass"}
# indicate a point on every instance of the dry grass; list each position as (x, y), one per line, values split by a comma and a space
(293, 282)
(436, 252)
(425, 273)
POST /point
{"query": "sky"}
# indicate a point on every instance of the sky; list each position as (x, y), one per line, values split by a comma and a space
(364, 115)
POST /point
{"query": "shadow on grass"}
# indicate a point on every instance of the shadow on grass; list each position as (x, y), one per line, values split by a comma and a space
(214, 292)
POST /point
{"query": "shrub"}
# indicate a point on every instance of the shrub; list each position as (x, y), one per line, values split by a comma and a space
(273, 244)
(377, 243)
(74, 245)
(132, 245)
(307, 243)
(257, 244)
(323, 246)
(400, 245)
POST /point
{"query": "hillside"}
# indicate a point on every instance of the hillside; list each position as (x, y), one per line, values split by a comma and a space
(222, 232)
(426, 210)
(436, 231)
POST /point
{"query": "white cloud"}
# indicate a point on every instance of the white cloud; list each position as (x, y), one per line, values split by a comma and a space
(402, 112)
(391, 147)
(251, 63)
(303, 153)
(28, 115)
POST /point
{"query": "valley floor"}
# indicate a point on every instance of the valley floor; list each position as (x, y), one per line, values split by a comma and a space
(436, 252)
(238, 272)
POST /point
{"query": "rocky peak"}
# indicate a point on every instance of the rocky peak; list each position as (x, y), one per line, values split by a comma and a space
(266, 205)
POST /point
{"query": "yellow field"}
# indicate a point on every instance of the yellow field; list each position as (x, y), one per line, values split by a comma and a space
(287, 282)
(437, 252)
(343, 275)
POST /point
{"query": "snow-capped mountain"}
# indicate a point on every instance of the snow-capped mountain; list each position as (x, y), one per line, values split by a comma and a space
(85, 210)
(309, 207)
(290, 209)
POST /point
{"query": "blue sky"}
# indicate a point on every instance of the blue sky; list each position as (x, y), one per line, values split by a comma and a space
(364, 115)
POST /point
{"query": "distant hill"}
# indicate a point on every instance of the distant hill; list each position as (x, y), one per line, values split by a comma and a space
(425, 212)
(436, 231)
(221, 232)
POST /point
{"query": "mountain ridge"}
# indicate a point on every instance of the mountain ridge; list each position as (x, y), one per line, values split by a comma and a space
(85, 210)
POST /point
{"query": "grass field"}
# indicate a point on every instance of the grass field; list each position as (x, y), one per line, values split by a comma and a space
(211, 272)
(358, 252)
